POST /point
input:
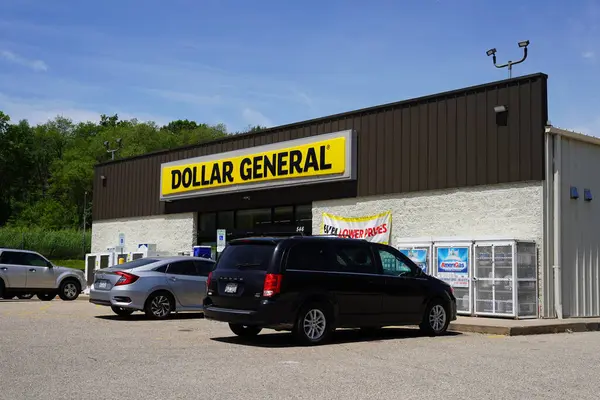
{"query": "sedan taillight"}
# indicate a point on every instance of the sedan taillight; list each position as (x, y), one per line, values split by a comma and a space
(126, 278)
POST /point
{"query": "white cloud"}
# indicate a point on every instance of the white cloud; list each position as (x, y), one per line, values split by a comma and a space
(254, 117)
(588, 54)
(39, 111)
(36, 65)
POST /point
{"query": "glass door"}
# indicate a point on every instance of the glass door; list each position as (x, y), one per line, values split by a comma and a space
(494, 279)
(527, 289)
(453, 265)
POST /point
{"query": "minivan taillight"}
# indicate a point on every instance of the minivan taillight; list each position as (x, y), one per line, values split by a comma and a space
(126, 278)
(272, 285)
(208, 279)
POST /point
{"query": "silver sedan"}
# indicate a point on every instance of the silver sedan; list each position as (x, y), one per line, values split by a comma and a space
(154, 285)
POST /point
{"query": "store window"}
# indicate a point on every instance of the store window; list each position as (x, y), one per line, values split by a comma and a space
(226, 220)
(304, 219)
(283, 215)
(251, 219)
(208, 224)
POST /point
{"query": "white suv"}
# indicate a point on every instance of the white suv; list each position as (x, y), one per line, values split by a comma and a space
(24, 273)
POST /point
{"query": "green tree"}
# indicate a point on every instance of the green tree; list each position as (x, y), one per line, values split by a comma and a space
(47, 169)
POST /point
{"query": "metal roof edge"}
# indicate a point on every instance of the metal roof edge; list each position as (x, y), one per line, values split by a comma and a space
(582, 137)
(430, 97)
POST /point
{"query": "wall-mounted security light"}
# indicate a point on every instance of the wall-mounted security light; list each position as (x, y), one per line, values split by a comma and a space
(574, 192)
(587, 194)
(522, 44)
(501, 112)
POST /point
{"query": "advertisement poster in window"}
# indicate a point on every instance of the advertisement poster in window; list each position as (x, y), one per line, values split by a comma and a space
(453, 265)
(418, 255)
(373, 228)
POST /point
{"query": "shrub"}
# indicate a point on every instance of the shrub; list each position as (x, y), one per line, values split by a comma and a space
(58, 244)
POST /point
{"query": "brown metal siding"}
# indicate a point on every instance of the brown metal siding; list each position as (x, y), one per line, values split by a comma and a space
(442, 141)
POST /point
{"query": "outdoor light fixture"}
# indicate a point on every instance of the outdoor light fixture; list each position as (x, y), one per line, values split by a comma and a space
(522, 44)
(501, 115)
(587, 194)
(112, 151)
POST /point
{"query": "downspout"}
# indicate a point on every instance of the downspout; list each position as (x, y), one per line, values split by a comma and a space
(557, 228)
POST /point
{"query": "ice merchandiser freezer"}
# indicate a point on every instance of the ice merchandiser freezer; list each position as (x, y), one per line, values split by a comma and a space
(505, 278)
(419, 252)
(453, 265)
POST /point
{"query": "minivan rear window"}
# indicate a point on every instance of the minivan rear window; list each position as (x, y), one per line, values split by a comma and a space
(251, 256)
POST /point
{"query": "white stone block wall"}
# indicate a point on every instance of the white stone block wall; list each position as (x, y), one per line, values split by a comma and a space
(171, 233)
(501, 211)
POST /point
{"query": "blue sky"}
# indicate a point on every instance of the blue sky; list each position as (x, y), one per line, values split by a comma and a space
(273, 62)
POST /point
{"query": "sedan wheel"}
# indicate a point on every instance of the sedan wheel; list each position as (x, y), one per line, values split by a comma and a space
(159, 306)
(435, 321)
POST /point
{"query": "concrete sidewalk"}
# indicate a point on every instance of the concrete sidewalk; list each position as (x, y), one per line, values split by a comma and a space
(512, 327)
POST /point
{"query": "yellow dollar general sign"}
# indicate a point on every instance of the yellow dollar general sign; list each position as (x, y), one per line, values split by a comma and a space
(310, 160)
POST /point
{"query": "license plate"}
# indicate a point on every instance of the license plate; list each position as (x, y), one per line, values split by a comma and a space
(231, 288)
(102, 285)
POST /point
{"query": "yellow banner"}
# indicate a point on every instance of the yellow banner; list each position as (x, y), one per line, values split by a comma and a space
(325, 157)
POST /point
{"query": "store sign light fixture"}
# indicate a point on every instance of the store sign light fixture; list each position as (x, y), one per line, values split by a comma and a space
(315, 159)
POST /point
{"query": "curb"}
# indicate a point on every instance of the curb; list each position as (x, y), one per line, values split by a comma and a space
(526, 330)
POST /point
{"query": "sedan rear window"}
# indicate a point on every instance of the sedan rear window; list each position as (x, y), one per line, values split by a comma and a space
(252, 256)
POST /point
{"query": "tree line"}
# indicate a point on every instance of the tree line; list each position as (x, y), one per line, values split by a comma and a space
(47, 169)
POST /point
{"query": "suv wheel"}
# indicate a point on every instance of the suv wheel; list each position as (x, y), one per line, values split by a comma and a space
(69, 290)
(159, 305)
(435, 320)
(121, 312)
(314, 324)
(46, 296)
(245, 330)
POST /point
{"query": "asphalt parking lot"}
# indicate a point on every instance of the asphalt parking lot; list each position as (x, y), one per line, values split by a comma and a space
(67, 350)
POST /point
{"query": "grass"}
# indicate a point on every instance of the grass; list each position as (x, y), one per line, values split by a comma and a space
(78, 264)
(54, 245)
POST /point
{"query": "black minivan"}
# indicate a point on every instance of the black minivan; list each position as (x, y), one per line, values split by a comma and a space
(311, 285)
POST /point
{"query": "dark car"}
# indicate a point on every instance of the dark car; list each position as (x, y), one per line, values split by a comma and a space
(312, 285)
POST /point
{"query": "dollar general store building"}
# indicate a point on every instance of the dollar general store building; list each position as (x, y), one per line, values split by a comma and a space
(473, 184)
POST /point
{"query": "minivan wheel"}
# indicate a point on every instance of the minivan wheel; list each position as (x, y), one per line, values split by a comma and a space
(435, 320)
(314, 324)
(245, 330)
